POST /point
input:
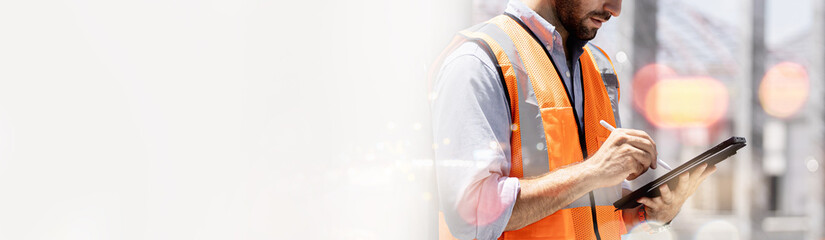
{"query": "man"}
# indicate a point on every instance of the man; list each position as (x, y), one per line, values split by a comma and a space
(520, 153)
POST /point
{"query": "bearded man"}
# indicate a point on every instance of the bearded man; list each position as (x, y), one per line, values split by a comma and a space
(518, 101)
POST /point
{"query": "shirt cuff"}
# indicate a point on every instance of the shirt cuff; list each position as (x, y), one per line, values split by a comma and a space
(626, 185)
(509, 193)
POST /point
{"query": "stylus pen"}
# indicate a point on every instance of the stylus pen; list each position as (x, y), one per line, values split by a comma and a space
(658, 161)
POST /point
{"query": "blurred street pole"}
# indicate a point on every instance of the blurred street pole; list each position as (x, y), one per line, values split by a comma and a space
(816, 200)
(743, 126)
(767, 202)
(645, 46)
(761, 206)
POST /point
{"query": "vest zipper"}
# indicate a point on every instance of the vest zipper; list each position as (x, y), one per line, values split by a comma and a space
(580, 128)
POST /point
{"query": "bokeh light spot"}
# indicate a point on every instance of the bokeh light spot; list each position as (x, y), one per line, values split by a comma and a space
(686, 102)
(644, 79)
(812, 164)
(426, 196)
(784, 89)
(621, 57)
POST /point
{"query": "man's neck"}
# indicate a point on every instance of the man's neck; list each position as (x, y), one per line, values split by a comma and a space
(548, 12)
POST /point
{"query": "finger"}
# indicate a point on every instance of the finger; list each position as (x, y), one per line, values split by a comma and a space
(659, 201)
(638, 162)
(645, 145)
(642, 157)
(641, 140)
(640, 134)
(684, 181)
(667, 196)
(648, 202)
(696, 176)
(703, 177)
(637, 133)
(697, 173)
(710, 170)
(635, 172)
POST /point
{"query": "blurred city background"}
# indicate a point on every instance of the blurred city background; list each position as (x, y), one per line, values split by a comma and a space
(253, 119)
(694, 73)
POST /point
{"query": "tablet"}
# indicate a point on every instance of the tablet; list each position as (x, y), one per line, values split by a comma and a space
(712, 156)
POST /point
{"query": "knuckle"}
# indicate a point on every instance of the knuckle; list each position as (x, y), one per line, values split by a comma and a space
(643, 133)
(625, 150)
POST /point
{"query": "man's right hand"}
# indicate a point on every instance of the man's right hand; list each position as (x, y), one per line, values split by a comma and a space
(626, 154)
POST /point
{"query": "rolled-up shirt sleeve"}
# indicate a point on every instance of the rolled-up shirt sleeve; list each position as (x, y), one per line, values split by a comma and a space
(471, 131)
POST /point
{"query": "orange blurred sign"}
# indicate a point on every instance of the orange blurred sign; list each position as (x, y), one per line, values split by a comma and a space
(645, 78)
(686, 102)
(784, 89)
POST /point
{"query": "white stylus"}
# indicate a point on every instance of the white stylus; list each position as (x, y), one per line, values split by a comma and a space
(658, 161)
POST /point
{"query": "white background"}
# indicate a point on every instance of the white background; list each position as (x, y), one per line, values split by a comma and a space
(219, 119)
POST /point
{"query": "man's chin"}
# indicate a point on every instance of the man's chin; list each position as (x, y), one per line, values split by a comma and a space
(586, 31)
(588, 35)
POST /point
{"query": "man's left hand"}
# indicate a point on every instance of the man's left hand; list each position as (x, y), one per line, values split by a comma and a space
(665, 207)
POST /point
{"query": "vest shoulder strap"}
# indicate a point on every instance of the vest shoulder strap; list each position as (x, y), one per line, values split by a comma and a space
(608, 74)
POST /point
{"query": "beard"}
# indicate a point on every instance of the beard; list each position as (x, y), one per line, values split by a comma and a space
(568, 10)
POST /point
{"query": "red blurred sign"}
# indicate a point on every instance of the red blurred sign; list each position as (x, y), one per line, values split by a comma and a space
(784, 89)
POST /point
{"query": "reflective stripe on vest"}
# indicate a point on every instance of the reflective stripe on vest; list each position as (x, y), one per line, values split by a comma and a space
(539, 103)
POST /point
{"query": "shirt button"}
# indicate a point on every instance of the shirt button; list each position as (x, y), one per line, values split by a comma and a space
(567, 73)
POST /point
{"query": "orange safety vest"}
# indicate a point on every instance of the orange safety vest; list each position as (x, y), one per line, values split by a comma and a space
(524, 66)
